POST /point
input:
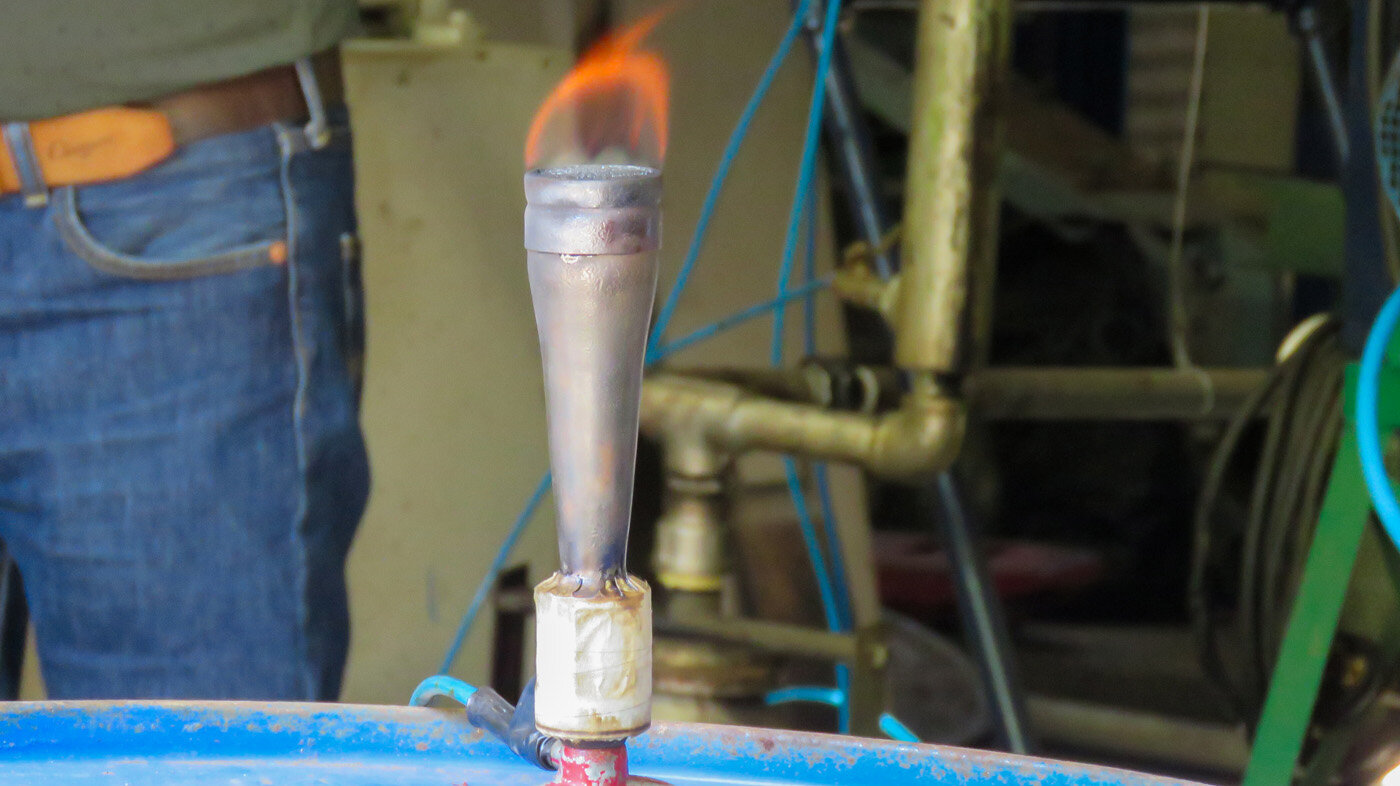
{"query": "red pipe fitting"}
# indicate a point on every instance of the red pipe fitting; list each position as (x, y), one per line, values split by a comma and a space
(591, 766)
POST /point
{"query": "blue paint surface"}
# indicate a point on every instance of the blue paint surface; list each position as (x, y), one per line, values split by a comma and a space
(250, 744)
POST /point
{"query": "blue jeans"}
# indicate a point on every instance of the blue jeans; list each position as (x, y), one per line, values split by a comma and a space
(181, 465)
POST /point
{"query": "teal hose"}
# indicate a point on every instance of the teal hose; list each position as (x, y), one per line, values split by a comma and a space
(1368, 439)
(806, 172)
(831, 586)
(726, 162)
(483, 590)
(893, 727)
(441, 685)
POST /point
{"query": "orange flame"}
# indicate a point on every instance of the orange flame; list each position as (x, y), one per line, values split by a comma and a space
(613, 101)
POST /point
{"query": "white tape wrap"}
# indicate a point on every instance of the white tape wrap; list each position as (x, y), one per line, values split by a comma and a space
(593, 660)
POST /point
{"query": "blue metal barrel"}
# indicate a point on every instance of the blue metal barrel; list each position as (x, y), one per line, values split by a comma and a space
(251, 744)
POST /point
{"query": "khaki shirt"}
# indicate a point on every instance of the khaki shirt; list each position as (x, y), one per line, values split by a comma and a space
(62, 56)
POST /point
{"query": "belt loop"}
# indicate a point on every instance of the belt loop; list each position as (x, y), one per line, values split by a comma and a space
(318, 132)
(31, 179)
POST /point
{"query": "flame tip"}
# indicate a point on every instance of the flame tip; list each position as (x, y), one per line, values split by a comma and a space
(615, 98)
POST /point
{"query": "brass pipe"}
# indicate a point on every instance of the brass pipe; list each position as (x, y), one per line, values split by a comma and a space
(791, 383)
(831, 384)
(1049, 393)
(1137, 735)
(1114, 393)
(950, 190)
(858, 285)
(922, 436)
(691, 554)
(775, 637)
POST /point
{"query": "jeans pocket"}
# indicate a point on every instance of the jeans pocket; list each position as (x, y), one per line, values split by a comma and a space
(215, 207)
(353, 292)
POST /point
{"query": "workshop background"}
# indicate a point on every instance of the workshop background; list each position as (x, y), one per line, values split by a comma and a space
(1087, 494)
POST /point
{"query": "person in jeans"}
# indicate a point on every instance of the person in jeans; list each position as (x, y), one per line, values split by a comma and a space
(181, 465)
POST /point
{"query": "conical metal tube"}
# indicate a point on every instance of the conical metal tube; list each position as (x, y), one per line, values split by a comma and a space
(592, 233)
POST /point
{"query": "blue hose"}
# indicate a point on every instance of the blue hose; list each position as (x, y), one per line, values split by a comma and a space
(896, 730)
(833, 544)
(1368, 439)
(893, 727)
(803, 213)
(497, 564)
(441, 685)
(809, 537)
(537, 496)
(807, 169)
(811, 694)
(806, 291)
(726, 161)
(809, 274)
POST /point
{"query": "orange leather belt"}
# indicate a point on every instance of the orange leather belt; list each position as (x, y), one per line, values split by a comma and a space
(111, 143)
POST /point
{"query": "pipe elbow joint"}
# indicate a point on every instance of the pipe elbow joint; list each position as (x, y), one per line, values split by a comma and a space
(922, 437)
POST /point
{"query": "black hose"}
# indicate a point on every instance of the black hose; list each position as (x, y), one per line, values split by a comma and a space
(1198, 600)
(1301, 417)
(525, 739)
(1315, 491)
(1297, 389)
(1293, 515)
(486, 710)
(1264, 475)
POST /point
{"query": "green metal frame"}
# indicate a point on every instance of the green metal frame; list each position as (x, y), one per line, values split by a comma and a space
(1312, 625)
